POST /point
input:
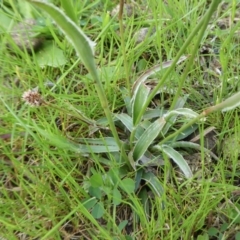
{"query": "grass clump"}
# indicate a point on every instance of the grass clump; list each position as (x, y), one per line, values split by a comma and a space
(117, 146)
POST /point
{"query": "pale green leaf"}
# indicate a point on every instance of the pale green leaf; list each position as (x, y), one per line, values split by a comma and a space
(104, 141)
(96, 180)
(98, 210)
(89, 203)
(231, 102)
(126, 120)
(147, 138)
(50, 55)
(153, 182)
(122, 225)
(95, 192)
(138, 100)
(186, 112)
(178, 159)
(128, 185)
(117, 197)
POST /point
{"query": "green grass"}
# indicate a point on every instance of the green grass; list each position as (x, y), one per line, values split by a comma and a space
(49, 190)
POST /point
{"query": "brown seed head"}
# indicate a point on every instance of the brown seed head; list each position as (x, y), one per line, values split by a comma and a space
(32, 98)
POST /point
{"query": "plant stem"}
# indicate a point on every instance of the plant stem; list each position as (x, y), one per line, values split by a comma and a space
(189, 124)
(104, 103)
(204, 21)
(123, 48)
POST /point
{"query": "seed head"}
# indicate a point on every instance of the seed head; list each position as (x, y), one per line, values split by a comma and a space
(32, 98)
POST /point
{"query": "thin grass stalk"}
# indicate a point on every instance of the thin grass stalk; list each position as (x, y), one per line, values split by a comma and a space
(202, 23)
(123, 47)
(227, 105)
(69, 9)
(176, 133)
(84, 47)
(193, 53)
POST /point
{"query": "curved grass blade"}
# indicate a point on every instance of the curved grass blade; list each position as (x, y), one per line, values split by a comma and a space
(153, 70)
(83, 45)
(187, 112)
(177, 158)
(126, 120)
(154, 183)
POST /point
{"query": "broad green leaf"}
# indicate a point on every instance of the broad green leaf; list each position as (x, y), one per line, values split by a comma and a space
(50, 55)
(154, 183)
(117, 197)
(83, 45)
(122, 225)
(107, 190)
(212, 231)
(126, 120)
(89, 203)
(138, 100)
(178, 159)
(96, 180)
(98, 210)
(128, 185)
(147, 138)
(95, 192)
(141, 128)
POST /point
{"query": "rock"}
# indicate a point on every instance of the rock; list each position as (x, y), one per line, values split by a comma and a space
(143, 33)
(128, 10)
(24, 36)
